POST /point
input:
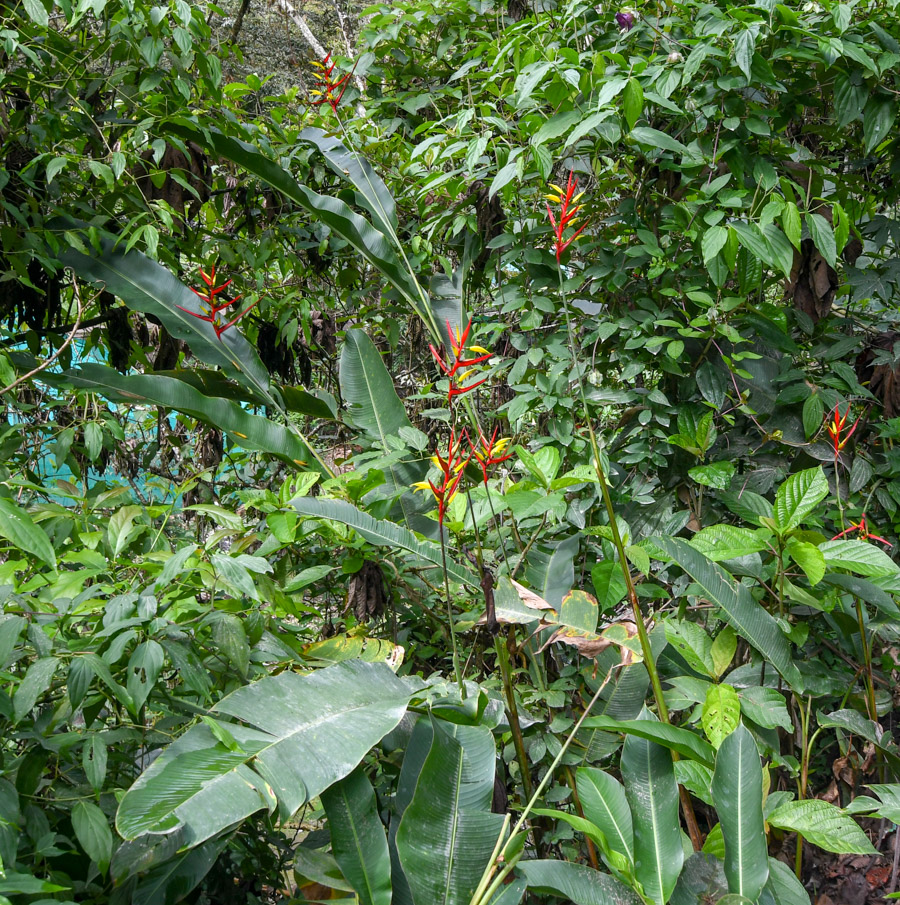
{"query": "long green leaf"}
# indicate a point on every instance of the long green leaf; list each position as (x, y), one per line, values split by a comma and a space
(686, 743)
(368, 241)
(296, 736)
(251, 431)
(746, 616)
(824, 825)
(381, 533)
(354, 167)
(604, 803)
(368, 389)
(551, 573)
(145, 286)
(737, 793)
(577, 883)
(358, 841)
(783, 887)
(652, 794)
(445, 839)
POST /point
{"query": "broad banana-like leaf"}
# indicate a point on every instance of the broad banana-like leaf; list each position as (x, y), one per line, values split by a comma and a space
(702, 880)
(381, 533)
(413, 761)
(358, 840)
(448, 832)
(318, 404)
(372, 244)
(297, 736)
(652, 793)
(446, 296)
(737, 794)
(375, 406)
(747, 617)
(604, 804)
(354, 167)
(576, 883)
(783, 887)
(145, 286)
(251, 431)
(172, 881)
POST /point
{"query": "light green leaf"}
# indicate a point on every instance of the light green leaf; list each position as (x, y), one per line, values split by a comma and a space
(858, 556)
(655, 139)
(604, 803)
(684, 741)
(823, 236)
(798, 496)
(576, 883)
(823, 825)
(721, 713)
(809, 558)
(37, 680)
(17, 526)
(632, 102)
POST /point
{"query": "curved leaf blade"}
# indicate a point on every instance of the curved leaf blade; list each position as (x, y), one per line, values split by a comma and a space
(18, 527)
(145, 286)
(604, 803)
(381, 533)
(686, 743)
(652, 793)
(576, 883)
(368, 241)
(737, 794)
(252, 431)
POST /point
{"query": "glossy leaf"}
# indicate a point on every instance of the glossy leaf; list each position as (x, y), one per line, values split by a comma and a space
(447, 832)
(604, 803)
(721, 712)
(297, 736)
(358, 840)
(652, 793)
(17, 526)
(823, 825)
(145, 286)
(684, 741)
(738, 795)
(576, 883)
(798, 496)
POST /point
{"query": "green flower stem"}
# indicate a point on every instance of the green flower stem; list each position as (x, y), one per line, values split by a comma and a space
(481, 891)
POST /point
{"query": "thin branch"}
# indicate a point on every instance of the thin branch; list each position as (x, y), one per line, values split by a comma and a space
(58, 352)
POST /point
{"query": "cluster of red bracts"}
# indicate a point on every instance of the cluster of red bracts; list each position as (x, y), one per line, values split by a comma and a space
(328, 85)
(568, 209)
(211, 307)
(835, 427)
(486, 453)
(459, 362)
(863, 530)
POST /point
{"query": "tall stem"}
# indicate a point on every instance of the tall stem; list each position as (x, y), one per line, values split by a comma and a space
(456, 670)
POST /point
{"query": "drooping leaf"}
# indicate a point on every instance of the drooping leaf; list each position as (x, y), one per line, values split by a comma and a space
(380, 532)
(747, 617)
(148, 287)
(576, 883)
(824, 825)
(252, 431)
(737, 793)
(298, 733)
(684, 741)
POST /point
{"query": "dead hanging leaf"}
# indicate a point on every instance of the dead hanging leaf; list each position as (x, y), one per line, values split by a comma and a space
(882, 379)
(591, 644)
(812, 283)
(367, 594)
(530, 599)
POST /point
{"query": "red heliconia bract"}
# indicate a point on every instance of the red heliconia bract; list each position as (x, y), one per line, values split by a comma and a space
(211, 308)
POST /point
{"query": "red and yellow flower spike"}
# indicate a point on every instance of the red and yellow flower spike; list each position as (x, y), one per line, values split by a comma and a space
(489, 452)
(568, 211)
(451, 467)
(835, 427)
(211, 307)
(326, 92)
(452, 369)
(863, 530)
